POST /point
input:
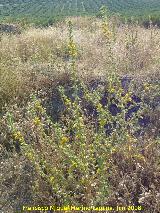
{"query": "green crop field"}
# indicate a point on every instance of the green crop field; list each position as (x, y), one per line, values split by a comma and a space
(45, 9)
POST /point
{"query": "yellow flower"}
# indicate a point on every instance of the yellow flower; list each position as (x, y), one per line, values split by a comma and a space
(36, 121)
(99, 106)
(120, 90)
(140, 157)
(113, 150)
(67, 101)
(112, 90)
(72, 49)
(38, 106)
(64, 140)
(18, 136)
(30, 155)
(129, 148)
(127, 98)
(102, 122)
(74, 164)
(106, 30)
(51, 179)
(146, 86)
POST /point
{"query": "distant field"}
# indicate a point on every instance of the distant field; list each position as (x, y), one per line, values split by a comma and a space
(43, 9)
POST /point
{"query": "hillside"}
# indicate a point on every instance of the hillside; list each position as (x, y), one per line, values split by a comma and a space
(45, 9)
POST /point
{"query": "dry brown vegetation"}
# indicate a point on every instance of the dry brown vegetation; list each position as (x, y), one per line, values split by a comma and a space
(39, 54)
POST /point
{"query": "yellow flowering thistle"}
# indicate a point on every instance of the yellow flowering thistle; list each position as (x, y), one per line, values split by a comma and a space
(37, 121)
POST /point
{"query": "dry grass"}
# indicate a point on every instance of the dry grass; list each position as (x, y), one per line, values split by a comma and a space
(42, 53)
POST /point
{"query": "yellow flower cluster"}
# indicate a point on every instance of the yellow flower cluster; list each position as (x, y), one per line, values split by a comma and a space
(102, 122)
(106, 30)
(18, 136)
(147, 86)
(67, 102)
(72, 49)
(140, 157)
(127, 98)
(52, 179)
(99, 106)
(74, 164)
(38, 106)
(112, 90)
(64, 140)
(30, 155)
(37, 121)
